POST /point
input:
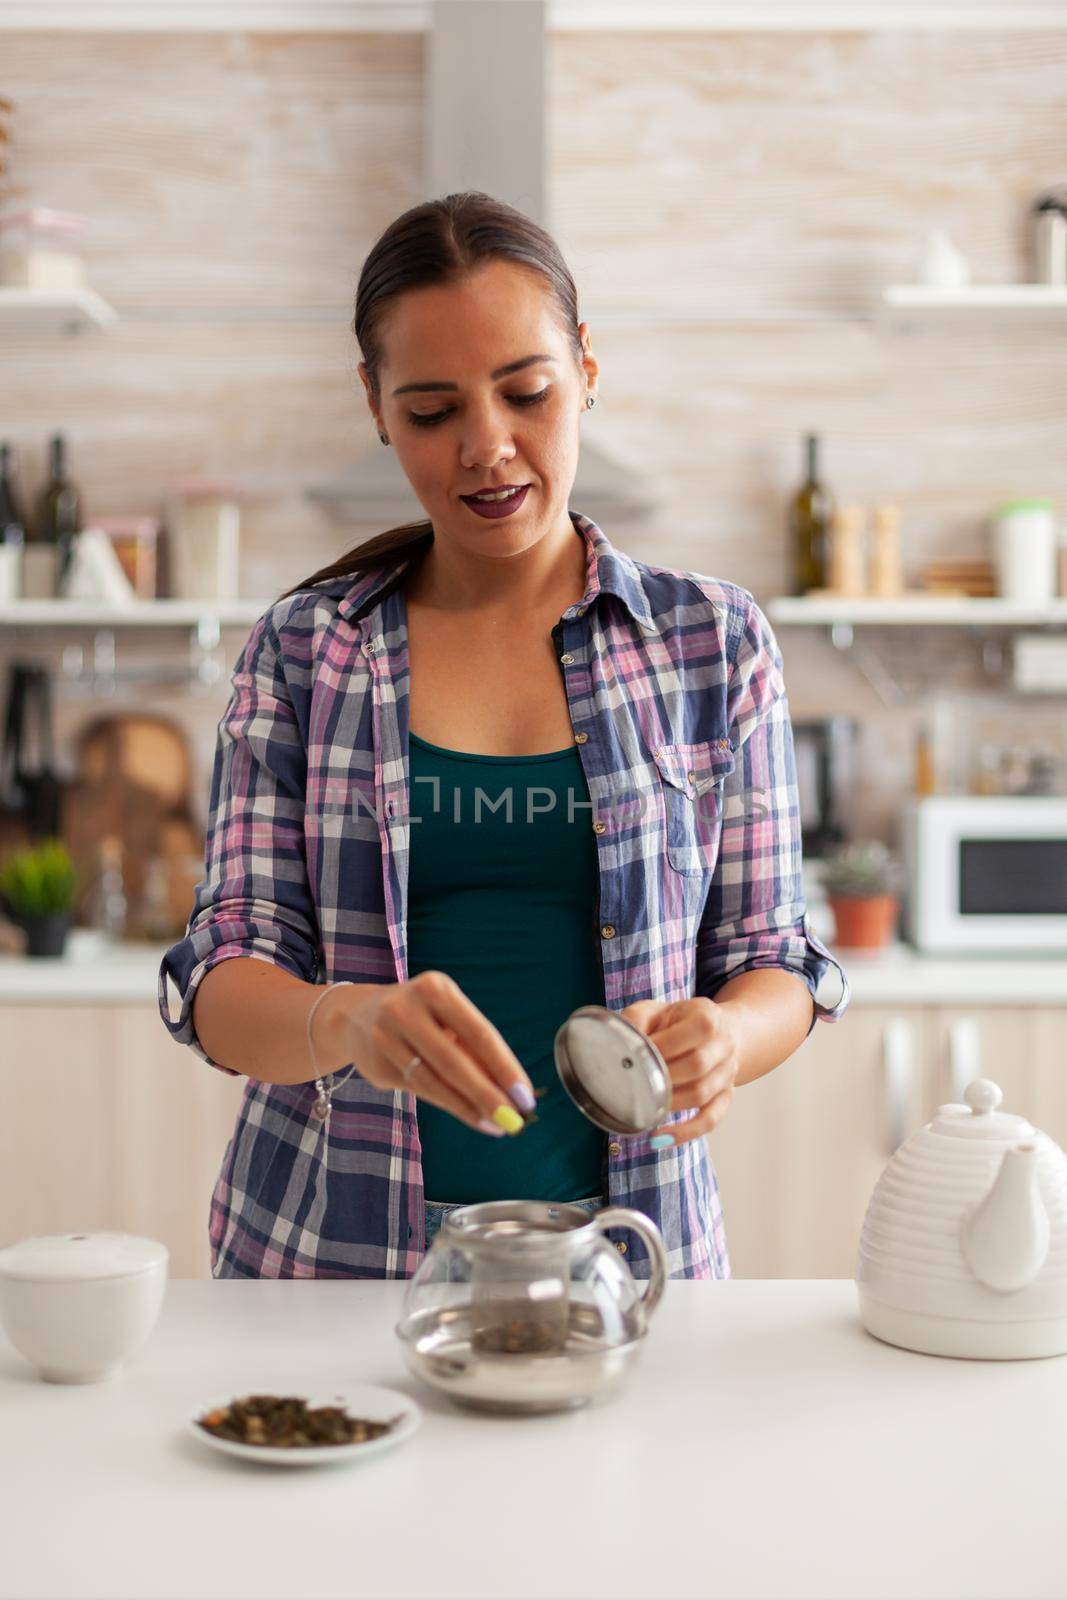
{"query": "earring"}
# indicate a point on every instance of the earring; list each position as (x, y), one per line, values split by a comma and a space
(383, 438)
(590, 401)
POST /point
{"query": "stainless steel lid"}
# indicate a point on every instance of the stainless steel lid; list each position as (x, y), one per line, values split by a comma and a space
(612, 1071)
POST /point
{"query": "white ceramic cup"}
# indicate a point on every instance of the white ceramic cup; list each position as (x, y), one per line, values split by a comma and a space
(77, 1305)
(1024, 551)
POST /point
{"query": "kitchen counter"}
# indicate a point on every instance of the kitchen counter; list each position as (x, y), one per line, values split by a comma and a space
(901, 976)
(765, 1446)
(91, 971)
(97, 973)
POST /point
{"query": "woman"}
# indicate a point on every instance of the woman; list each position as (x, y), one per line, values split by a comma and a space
(480, 771)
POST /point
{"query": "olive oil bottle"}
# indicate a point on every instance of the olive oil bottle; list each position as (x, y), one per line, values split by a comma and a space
(810, 514)
(59, 508)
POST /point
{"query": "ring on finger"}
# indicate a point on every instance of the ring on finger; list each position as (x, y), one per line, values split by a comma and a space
(416, 1061)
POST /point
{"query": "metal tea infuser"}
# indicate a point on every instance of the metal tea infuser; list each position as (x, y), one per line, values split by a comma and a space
(612, 1071)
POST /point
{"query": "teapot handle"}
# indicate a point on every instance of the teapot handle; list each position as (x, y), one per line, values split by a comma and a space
(624, 1217)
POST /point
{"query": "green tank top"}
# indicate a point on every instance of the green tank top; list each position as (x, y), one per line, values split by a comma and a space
(502, 893)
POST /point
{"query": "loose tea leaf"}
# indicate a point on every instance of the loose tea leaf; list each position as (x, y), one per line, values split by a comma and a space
(289, 1422)
(531, 1116)
(517, 1336)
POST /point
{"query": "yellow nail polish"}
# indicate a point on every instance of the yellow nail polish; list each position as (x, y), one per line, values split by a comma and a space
(508, 1119)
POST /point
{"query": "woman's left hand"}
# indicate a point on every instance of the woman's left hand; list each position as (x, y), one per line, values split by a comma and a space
(699, 1042)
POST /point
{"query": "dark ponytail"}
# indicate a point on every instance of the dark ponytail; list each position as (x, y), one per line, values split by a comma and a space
(439, 242)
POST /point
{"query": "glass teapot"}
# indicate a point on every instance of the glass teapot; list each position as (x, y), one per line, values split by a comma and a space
(525, 1306)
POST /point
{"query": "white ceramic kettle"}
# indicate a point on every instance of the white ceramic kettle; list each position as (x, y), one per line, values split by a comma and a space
(964, 1246)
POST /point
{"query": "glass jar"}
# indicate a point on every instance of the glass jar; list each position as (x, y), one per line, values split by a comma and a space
(203, 541)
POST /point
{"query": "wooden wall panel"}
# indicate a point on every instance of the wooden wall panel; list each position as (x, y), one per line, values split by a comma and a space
(220, 169)
(752, 173)
(797, 167)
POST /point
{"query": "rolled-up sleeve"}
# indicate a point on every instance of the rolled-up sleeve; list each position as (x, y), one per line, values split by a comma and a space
(756, 915)
(254, 899)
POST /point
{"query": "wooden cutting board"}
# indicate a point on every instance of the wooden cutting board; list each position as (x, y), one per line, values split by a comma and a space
(134, 783)
(148, 752)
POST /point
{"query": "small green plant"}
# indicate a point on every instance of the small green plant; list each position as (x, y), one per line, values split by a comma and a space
(859, 871)
(38, 880)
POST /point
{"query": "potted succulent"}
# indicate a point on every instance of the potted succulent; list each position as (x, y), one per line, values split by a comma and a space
(859, 881)
(38, 886)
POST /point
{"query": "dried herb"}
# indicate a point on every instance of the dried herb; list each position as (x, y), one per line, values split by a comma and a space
(289, 1422)
(531, 1116)
(515, 1332)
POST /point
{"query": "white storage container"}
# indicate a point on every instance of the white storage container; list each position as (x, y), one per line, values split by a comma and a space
(1024, 553)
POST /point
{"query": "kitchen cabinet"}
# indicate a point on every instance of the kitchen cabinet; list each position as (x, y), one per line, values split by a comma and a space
(1021, 1048)
(106, 1122)
(801, 1149)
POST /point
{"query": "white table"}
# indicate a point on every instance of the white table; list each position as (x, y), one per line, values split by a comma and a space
(766, 1446)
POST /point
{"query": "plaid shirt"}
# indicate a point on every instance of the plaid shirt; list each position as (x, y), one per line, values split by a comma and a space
(674, 684)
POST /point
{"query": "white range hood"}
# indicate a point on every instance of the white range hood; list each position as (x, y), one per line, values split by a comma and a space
(484, 129)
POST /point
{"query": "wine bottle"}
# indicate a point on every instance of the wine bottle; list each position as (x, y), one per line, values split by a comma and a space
(810, 512)
(12, 528)
(59, 509)
(12, 519)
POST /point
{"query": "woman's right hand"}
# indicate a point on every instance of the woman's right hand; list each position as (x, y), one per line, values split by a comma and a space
(466, 1066)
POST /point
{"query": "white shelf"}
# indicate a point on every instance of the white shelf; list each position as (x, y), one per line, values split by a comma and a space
(1013, 302)
(794, 611)
(46, 311)
(77, 310)
(702, 314)
(563, 16)
(139, 614)
(913, 611)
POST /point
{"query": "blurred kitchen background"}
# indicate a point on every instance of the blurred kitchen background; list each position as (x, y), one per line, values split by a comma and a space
(822, 249)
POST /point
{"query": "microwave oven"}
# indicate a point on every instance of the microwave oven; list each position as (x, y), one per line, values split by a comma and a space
(986, 874)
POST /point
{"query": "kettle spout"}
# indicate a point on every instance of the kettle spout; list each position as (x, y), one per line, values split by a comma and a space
(1005, 1239)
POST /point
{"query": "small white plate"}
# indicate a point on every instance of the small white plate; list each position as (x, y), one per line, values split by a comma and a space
(364, 1400)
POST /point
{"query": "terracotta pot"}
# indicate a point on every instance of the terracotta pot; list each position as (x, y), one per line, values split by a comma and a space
(866, 924)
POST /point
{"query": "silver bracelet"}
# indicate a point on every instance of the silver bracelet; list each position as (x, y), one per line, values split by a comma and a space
(321, 1107)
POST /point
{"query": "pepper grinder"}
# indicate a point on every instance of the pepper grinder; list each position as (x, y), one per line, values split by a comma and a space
(886, 577)
(846, 551)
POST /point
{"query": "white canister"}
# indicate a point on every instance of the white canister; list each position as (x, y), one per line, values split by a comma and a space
(10, 572)
(40, 570)
(1024, 552)
(1049, 217)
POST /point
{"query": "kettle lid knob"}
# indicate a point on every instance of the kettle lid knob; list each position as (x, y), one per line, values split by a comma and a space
(980, 1118)
(983, 1096)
